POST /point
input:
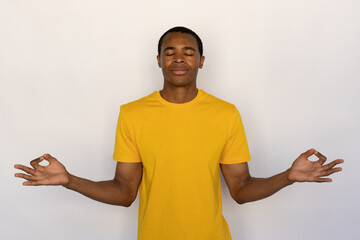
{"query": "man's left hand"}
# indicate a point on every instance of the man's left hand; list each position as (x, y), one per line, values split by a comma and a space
(304, 170)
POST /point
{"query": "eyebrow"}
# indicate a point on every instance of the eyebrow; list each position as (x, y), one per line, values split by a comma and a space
(185, 48)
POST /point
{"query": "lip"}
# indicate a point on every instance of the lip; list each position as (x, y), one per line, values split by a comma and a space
(179, 71)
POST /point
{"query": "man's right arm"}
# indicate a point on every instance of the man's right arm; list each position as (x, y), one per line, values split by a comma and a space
(122, 190)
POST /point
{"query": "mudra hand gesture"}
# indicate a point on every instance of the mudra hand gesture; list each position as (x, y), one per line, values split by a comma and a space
(304, 170)
(52, 174)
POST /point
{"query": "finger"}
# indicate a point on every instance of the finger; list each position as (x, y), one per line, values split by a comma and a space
(31, 183)
(38, 182)
(321, 157)
(332, 164)
(331, 171)
(35, 163)
(309, 152)
(321, 180)
(25, 169)
(24, 176)
(48, 157)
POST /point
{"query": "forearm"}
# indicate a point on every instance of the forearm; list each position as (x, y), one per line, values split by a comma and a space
(110, 192)
(258, 188)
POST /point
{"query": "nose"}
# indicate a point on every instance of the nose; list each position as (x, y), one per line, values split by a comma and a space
(178, 58)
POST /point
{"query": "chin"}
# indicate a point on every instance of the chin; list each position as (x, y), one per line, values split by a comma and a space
(180, 82)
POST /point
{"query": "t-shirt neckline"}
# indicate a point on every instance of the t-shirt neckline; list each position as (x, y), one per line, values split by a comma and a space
(196, 99)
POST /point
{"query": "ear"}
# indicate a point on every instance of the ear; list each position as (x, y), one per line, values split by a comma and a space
(202, 59)
(158, 60)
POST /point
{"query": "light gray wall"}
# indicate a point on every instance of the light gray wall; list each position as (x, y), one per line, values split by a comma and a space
(291, 68)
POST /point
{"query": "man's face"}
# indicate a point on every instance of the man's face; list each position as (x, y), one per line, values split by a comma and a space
(180, 59)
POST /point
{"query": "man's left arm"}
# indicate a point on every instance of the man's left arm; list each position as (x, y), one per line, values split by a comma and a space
(244, 188)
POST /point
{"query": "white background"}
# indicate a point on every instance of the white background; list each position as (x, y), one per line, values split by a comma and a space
(291, 68)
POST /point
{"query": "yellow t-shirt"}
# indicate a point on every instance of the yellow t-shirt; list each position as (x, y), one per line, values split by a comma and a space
(180, 146)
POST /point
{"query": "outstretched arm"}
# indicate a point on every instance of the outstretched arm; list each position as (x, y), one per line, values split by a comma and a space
(244, 188)
(122, 190)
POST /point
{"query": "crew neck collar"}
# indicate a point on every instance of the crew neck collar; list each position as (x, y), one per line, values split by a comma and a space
(197, 98)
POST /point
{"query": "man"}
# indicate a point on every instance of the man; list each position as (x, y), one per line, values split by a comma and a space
(169, 146)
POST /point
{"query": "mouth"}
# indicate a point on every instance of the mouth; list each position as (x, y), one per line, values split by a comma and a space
(179, 71)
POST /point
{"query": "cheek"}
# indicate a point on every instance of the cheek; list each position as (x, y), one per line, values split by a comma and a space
(195, 65)
(166, 62)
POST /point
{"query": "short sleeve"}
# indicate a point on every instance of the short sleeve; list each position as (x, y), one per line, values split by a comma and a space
(125, 149)
(236, 148)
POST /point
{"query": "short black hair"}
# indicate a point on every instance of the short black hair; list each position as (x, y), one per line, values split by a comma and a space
(182, 30)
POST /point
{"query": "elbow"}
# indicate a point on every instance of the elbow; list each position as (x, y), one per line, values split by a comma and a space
(237, 199)
(129, 201)
(127, 204)
(241, 193)
(125, 196)
(124, 203)
(240, 201)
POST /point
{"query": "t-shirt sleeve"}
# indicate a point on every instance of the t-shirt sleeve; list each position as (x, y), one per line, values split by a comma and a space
(125, 149)
(236, 148)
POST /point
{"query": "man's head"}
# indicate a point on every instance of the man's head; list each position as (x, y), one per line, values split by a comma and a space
(180, 56)
(182, 30)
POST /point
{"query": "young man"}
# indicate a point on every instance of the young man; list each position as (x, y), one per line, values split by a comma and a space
(169, 145)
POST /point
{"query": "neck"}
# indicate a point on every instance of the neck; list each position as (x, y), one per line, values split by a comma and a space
(176, 94)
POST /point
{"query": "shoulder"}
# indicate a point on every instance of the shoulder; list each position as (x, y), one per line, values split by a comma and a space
(221, 105)
(138, 104)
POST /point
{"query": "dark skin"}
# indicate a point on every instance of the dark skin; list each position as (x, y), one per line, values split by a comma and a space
(180, 60)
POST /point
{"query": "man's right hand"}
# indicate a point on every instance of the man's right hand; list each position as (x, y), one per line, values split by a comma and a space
(52, 174)
(121, 190)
